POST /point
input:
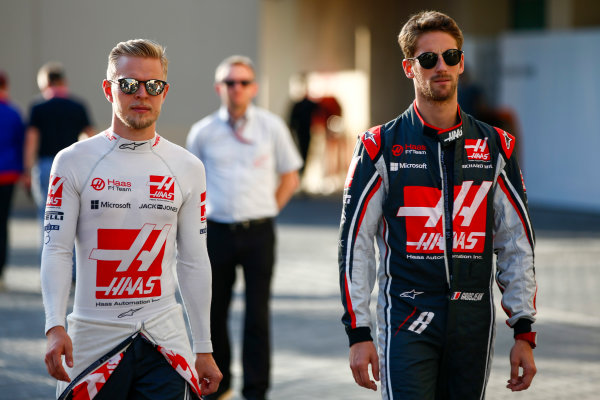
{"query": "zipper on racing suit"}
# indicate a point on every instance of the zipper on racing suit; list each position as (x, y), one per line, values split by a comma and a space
(446, 159)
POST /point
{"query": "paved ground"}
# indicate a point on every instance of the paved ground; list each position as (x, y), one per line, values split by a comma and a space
(310, 351)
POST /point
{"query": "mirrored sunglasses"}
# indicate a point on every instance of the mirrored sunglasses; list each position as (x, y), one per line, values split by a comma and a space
(154, 87)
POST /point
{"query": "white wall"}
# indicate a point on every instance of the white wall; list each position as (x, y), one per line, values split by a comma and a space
(198, 34)
(552, 81)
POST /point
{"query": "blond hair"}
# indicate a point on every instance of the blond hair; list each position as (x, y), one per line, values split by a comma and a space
(136, 48)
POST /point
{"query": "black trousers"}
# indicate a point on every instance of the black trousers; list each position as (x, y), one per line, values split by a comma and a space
(252, 246)
(6, 193)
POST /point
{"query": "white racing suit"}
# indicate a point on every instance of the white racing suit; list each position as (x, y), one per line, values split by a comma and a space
(137, 215)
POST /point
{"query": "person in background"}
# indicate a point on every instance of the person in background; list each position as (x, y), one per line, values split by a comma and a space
(301, 120)
(251, 173)
(441, 193)
(12, 133)
(133, 202)
(55, 121)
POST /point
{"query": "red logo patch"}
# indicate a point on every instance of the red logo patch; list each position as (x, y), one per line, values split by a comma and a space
(372, 141)
(162, 187)
(507, 141)
(129, 262)
(98, 183)
(477, 149)
(203, 207)
(397, 150)
(110, 136)
(423, 212)
(55, 190)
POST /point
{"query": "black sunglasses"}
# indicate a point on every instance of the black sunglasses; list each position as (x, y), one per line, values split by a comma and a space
(154, 87)
(232, 83)
(429, 59)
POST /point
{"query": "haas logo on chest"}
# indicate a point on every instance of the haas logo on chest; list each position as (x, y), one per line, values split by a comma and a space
(477, 150)
(129, 262)
(162, 187)
(423, 212)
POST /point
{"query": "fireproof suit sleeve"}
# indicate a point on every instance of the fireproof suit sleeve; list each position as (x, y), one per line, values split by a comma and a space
(361, 214)
(514, 239)
(59, 236)
(193, 265)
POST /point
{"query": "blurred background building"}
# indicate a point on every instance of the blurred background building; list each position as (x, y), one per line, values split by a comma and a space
(534, 64)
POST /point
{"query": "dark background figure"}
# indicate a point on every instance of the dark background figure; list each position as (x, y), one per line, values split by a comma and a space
(12, 133)
(471, 97)
(329, 118)
(55, 121)
(301, 121)
(473, 100)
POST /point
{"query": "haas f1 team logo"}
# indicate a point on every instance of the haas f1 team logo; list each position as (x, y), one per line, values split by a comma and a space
(162, 187)
(477, 149)
(129, 262)
(55, 191)
(423, 212)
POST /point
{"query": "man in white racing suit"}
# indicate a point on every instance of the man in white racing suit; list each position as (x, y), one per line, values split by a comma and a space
(133, 203)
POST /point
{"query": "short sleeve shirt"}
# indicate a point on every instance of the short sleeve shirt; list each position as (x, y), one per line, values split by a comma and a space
(242, 171)
(59, 120)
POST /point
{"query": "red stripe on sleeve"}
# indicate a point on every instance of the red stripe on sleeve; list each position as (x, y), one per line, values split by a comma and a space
(349, 304)
(364, 207)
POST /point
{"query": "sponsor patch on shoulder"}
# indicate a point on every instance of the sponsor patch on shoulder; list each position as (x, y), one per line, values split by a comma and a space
(371, 139)
(507, 141)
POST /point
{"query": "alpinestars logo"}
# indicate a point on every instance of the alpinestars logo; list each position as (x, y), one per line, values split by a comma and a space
(477, 150)
(131, 146)
(162, 187)
(129, 262)
(55, 191)
(507, 139)
(423, 212)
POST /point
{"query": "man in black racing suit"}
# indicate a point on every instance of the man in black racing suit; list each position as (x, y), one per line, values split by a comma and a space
(441, 193)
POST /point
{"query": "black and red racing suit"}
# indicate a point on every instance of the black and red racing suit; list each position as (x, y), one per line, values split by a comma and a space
(439, 203)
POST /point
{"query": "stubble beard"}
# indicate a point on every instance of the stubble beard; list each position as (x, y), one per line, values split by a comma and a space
(440, 95)
(137, 123)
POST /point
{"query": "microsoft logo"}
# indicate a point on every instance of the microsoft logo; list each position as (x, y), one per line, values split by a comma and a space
(95, 204)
